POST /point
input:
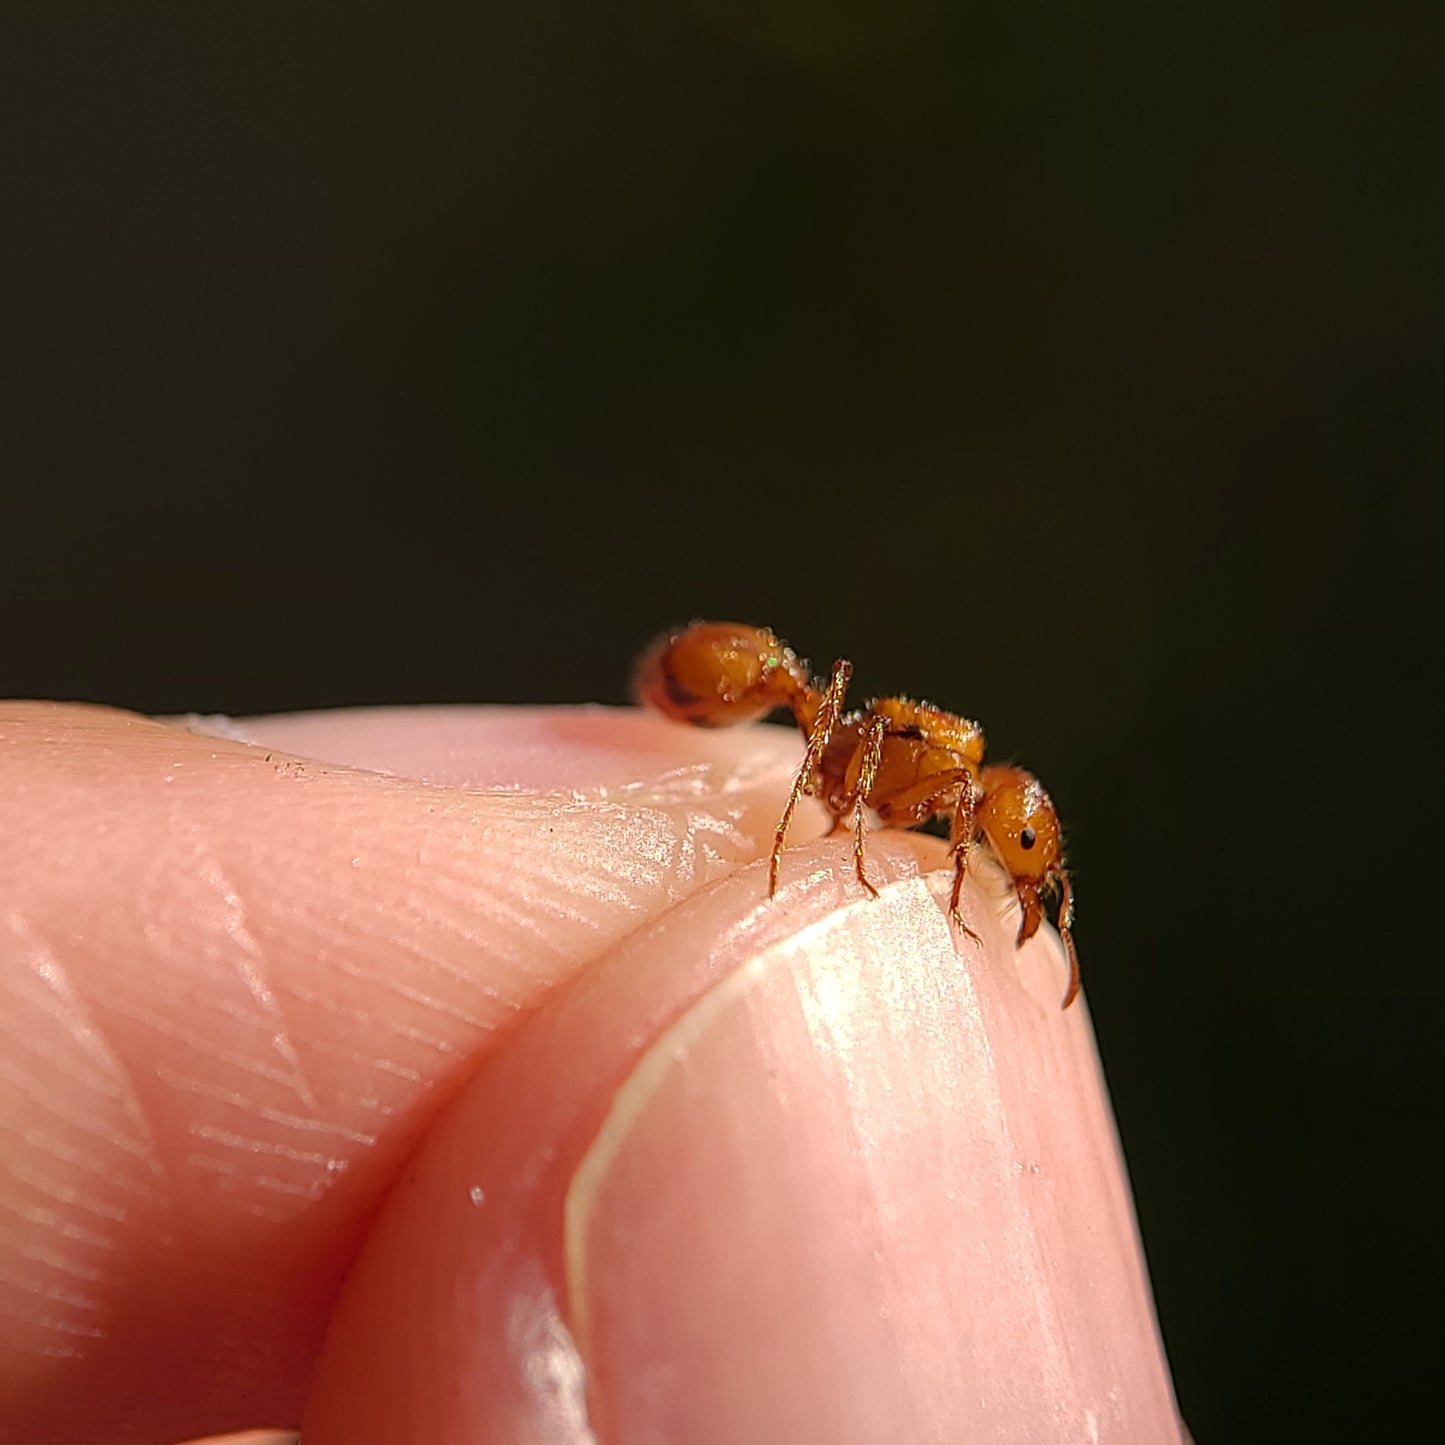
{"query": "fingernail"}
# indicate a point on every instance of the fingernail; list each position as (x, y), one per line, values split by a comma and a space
(857, 1193)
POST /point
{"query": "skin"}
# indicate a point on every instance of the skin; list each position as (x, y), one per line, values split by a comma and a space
(446, 1075)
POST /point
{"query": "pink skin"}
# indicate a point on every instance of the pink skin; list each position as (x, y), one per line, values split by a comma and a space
(483, 1095)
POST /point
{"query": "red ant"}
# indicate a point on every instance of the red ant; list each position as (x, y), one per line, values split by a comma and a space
(904, 761)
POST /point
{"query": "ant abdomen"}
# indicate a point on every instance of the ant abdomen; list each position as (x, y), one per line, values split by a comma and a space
(718, 674)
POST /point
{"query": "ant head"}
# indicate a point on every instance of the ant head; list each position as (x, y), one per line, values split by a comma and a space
(1020, 823)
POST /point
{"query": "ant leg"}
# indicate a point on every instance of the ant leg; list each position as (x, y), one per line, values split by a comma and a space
(1065, 926)
(965, 830)
(825, 719)
(870, 752)
(954, 911)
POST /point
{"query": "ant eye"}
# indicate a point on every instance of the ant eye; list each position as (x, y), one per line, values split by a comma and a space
(1027, 838)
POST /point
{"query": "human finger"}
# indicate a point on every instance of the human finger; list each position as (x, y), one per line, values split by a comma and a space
(237, 983)
(821, 1172)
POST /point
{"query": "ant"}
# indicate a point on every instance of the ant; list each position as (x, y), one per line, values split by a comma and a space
(903, 761)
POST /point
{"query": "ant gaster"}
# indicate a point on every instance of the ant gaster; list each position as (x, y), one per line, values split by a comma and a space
(904, 761)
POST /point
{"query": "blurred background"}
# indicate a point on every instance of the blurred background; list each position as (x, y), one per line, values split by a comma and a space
(1075, 366)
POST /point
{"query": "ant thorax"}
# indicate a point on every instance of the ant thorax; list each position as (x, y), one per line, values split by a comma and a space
(926, 762)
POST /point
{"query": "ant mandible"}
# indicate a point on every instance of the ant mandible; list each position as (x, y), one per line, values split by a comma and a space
(904, 761)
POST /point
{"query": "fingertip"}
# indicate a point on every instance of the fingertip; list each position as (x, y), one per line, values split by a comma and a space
(817, 1170)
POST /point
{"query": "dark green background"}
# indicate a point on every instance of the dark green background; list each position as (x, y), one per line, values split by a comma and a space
(1077, 366)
